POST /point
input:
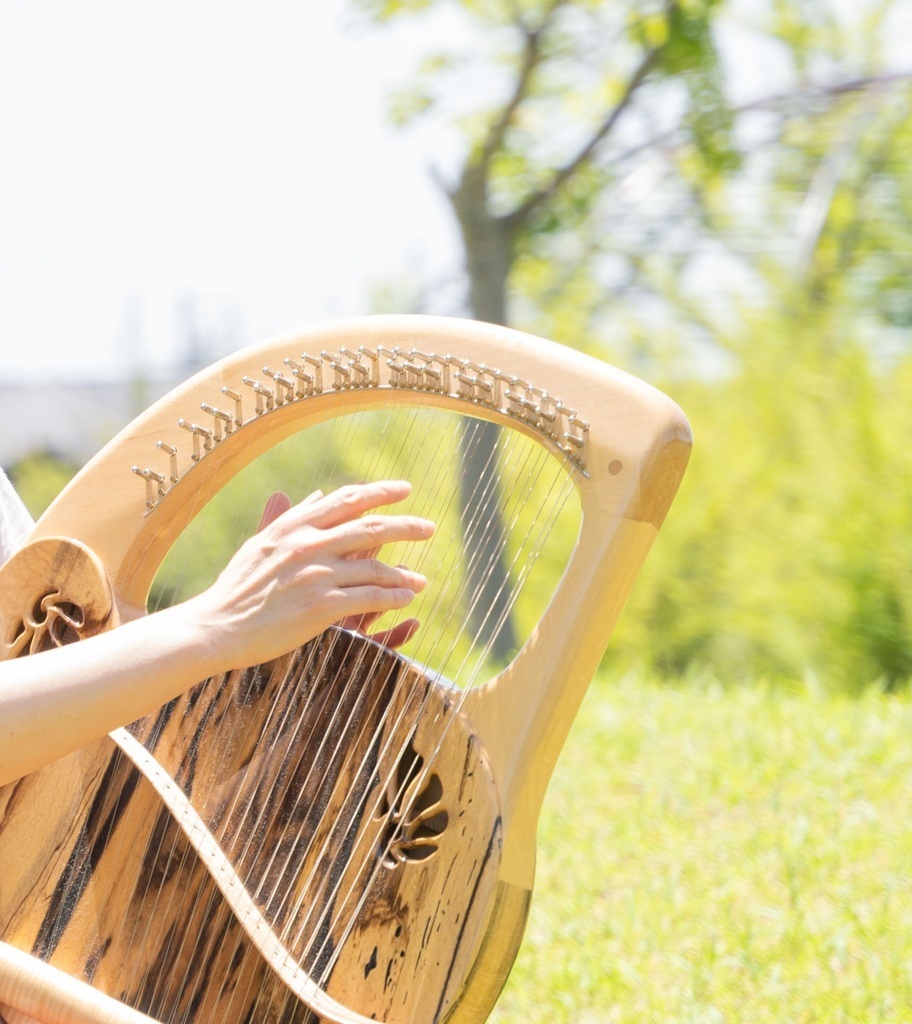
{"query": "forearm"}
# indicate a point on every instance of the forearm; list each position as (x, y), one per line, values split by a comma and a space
(54, 702)
(298, 575)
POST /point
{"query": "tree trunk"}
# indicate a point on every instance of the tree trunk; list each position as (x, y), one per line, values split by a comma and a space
(489, 254)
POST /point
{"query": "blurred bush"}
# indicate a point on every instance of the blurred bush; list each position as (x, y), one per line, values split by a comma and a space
(788, 553)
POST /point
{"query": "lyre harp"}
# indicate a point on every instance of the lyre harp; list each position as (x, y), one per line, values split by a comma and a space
(345, 834)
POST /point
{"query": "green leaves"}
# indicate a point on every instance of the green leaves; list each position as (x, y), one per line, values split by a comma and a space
(689, 54)
(788, 553)
(605, 163)
(410, 102)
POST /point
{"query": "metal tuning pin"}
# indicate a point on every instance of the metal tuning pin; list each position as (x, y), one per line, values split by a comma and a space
(363, 374)
(265, 397)
(223, 422)
(433, 373)
(308, 382)
(155, 485)
(341, 372)
(171, 452)
(284, 388)
(383, 367)
(398, 373)
(202, 438)
(238, 405)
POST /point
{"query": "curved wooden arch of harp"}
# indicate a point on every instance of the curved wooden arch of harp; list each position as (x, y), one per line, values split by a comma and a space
(362, 369)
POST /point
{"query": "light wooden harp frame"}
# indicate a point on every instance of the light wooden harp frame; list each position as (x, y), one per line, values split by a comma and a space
(626, 447)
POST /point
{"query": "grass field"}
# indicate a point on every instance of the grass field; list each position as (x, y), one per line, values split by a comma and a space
(711, 855)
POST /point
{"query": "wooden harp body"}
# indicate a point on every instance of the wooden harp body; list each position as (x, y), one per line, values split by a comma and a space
(345, 834)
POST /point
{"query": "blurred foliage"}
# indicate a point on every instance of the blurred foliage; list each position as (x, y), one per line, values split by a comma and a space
(39, 478)
(788, 553)
(752, 258)
(746, 250)
(551, 106)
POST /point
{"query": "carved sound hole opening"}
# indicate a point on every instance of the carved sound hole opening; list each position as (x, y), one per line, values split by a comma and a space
(413, 809)
(50, 623)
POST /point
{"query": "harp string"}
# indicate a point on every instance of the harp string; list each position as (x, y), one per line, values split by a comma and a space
(304, 888)
(429, 764)
(369, 474)
(432, 759)
(190, 905)
(237, 993)
(320, 472)
(317, 760)
(353, 771)
(478, 544)
(501, 515)
(450, 584)
(374, 863)
(474, 529)
(250, 796)
(441, 465)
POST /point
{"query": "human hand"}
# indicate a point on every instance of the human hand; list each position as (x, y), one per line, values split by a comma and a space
(309, 566)
(396, 636)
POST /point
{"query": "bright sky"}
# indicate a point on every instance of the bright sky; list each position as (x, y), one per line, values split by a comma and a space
(225, 157)
(235, 153)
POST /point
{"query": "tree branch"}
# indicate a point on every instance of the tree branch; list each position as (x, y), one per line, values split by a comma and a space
(471, 190)
(565, 173)
(772, 102)
(530, 61)
(835, 89)
(495, 137)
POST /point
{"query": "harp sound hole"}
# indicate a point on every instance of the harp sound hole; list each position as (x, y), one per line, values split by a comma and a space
(413, 809)
(51, 623)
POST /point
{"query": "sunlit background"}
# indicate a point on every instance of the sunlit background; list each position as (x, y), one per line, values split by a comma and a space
(712, 195)
(728, 839)
(179, 180)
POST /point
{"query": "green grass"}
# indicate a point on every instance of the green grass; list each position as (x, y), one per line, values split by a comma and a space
(710, 855)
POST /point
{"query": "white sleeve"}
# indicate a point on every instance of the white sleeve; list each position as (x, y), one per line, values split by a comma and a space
(15, 522)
